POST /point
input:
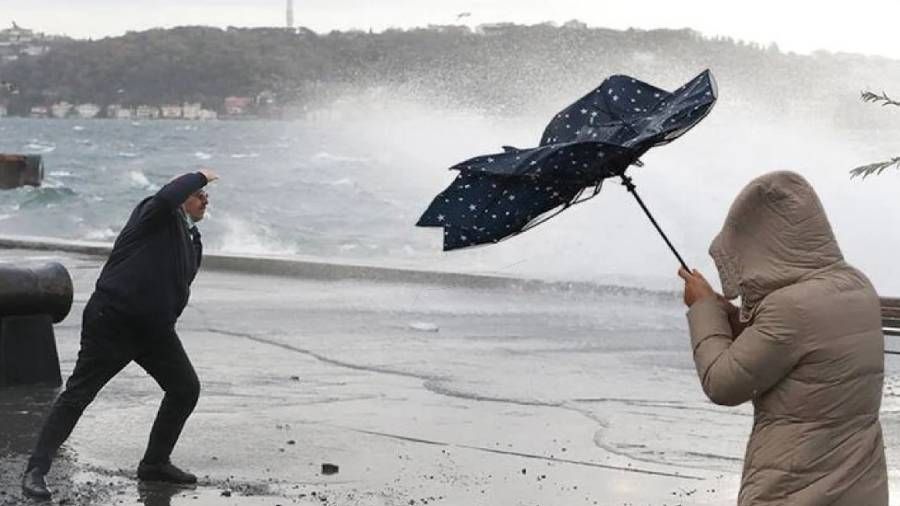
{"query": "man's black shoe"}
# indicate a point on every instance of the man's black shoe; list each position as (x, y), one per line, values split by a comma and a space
(33, 484)
(164, 472)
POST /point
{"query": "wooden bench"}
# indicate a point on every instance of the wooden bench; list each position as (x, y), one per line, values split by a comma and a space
(890, 316)
(890, 319)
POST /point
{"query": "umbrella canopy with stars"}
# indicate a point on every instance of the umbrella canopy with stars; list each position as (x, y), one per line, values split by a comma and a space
(599, 136)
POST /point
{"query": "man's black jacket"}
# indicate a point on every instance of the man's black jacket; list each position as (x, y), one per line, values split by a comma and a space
(155, 258)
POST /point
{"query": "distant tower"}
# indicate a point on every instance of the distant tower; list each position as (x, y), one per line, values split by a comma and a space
(290, 14)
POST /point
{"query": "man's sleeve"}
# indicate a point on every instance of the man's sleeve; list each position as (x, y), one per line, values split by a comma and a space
(170, 196)
(733, 370)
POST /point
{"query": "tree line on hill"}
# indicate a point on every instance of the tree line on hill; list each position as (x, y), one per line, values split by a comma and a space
(503, 68)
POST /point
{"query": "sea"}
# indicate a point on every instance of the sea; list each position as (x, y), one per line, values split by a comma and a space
(349, 186)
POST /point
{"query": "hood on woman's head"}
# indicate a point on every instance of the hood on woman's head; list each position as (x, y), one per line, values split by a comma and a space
(776, 232)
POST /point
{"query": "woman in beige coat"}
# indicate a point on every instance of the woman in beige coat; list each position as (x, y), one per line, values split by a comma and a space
(805, 347)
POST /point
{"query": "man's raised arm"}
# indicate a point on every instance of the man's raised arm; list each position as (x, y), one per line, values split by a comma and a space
(174, 193)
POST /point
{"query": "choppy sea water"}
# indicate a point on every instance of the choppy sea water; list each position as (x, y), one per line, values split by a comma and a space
(285, 189)
(351, 187)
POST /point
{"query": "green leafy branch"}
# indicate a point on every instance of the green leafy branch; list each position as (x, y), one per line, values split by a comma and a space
(877, 167)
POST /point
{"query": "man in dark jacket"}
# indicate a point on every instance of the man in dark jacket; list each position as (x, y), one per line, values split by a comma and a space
(131, 315)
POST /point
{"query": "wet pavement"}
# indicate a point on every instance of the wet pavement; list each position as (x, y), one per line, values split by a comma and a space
(420, 393)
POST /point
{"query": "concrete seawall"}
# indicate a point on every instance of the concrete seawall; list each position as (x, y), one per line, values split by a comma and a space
(315, 268)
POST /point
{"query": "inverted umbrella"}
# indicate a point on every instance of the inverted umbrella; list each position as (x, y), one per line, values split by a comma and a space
(500, 195)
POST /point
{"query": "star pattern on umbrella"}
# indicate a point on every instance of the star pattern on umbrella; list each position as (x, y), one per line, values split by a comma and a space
(599, 136)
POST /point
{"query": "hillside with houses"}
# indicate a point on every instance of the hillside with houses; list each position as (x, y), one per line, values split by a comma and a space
(207, 73)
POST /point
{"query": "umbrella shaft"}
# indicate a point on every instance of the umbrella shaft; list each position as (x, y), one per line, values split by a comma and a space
(631, 188)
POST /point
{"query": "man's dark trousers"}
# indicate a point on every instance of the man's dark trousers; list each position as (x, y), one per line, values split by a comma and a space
(109, 342)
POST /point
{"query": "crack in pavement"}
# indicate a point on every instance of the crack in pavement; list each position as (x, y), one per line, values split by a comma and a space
(522, 454)
(319, 357)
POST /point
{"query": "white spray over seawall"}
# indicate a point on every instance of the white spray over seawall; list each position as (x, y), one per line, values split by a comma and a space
(688, 185)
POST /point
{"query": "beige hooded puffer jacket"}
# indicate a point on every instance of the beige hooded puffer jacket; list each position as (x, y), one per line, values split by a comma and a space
(806, 347)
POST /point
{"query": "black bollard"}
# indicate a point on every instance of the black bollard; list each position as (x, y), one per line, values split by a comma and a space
(20, 170)
(28, 351)
(42, 289)
(31, 300)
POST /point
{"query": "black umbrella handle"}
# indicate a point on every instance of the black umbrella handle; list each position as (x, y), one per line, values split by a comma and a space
(631, 188)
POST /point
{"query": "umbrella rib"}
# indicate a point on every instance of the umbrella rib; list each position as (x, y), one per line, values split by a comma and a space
(530, 225)
(565, 206)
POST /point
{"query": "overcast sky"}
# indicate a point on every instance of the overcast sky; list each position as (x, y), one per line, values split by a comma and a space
(795, 25)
